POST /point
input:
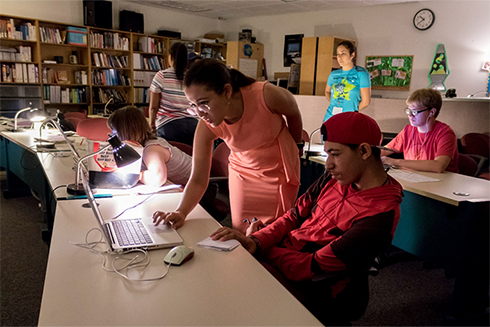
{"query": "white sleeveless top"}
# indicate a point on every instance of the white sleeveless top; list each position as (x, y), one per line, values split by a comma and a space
(179, 165)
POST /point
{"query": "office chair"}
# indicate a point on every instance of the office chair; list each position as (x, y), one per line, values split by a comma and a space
(77, 114)
(477, 145)
(94, 129)
(216, 199)
(74, 121)
(467, 165)
(182, 147)
(306, 137)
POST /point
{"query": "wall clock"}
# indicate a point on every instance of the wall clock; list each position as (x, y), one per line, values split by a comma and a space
(424, 19)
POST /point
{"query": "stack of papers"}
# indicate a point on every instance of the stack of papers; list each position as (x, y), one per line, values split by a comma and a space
(411, 176)
(208, 243)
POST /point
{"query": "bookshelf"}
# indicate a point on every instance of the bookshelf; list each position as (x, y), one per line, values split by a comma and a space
(211, 50)
(150, 54)
(64, 63)
(19, 61)
(74, 68)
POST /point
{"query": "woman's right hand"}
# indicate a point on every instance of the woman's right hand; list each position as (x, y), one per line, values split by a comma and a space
(175, 219)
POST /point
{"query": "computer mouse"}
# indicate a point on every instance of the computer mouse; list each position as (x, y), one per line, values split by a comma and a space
(179, 255)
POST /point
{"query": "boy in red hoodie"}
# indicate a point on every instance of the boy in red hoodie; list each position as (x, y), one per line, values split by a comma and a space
(342, 222)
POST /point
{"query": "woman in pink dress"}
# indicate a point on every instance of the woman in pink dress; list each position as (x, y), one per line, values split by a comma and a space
(261, 124)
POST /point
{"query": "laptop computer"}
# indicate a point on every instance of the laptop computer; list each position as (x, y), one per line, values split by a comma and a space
(126, 234)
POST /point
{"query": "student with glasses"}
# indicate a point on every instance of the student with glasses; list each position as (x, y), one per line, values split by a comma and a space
(427, 144)
(261, 124)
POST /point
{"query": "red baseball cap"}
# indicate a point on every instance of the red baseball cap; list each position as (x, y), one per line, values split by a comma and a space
(352, 128)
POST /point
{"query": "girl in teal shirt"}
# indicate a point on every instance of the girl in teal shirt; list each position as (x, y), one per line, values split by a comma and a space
(349, 88)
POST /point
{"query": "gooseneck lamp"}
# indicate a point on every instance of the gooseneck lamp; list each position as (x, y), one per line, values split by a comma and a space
(123, 155)
(19, 112)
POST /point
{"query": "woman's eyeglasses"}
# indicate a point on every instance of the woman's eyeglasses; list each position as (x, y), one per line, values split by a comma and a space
(195, 110)
(413, 112)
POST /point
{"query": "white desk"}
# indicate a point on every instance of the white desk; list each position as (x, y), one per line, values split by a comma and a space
(212, 289)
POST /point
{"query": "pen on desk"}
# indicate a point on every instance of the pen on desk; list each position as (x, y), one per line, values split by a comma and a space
(76, 197)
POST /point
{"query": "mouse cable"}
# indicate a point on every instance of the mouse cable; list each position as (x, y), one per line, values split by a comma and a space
(134, 264)
(133, 206)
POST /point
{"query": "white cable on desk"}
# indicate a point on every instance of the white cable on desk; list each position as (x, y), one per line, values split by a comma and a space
(133, 262)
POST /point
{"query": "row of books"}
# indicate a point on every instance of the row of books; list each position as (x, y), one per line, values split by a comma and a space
(148, 62)
(149, 44)
(110, 77)
(142, 95)
(56, 94)
(109, 40)
(25, 31)
(20, 73)
(51, 35)
(20, 53)
(103, 95)
(103, 60)
(141, 78)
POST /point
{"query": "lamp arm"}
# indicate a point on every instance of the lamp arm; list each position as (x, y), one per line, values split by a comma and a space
(58, 127)
(20, 111)
(105, 107)
(79, 164)
(311, 137)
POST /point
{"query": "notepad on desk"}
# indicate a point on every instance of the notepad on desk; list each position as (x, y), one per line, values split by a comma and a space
(208, 243)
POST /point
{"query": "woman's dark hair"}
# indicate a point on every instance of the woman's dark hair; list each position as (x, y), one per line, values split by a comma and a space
(178, 53)
(130, 124)
(213, 74)
(352, 49)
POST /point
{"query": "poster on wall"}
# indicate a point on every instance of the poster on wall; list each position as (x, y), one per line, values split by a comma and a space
(390, 72)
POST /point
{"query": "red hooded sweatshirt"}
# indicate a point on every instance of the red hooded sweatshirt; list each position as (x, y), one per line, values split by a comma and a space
(331, 228)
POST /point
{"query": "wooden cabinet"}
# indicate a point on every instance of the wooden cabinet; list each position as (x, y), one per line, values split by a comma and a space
(318, 59)
(246, 57)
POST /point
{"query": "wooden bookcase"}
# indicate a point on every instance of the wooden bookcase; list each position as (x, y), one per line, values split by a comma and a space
(19, 58)
(149, 55)
(67, 85)
(61, 80)
(211, 50)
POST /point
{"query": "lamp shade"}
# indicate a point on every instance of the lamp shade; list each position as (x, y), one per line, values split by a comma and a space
(123, 154)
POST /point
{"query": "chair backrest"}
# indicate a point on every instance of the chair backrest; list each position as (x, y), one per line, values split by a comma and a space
(467, 165)
(74, 121)
(219, 166)
(95, 129)
(306, 137)
(186, 148)
(77, 114)
(476, 143)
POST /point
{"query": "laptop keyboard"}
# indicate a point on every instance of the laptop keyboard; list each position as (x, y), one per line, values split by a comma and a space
(131, 232)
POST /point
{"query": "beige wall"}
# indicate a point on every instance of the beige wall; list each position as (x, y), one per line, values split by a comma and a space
(463, 115)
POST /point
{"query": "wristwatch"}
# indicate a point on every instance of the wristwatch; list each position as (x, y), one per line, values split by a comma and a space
(301, 144)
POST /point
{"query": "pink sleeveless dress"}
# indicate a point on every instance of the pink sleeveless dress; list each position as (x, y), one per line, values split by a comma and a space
(264, 169)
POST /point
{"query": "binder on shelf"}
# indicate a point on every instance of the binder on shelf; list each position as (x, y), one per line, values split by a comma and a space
(31, 71)
(136, 61)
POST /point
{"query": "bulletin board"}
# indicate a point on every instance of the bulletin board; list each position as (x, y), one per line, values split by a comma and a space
(390, 72)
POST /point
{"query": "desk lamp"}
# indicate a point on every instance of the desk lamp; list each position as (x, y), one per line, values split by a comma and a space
(310, 153)
(106, 112)
(124, 155)
(19, 112)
